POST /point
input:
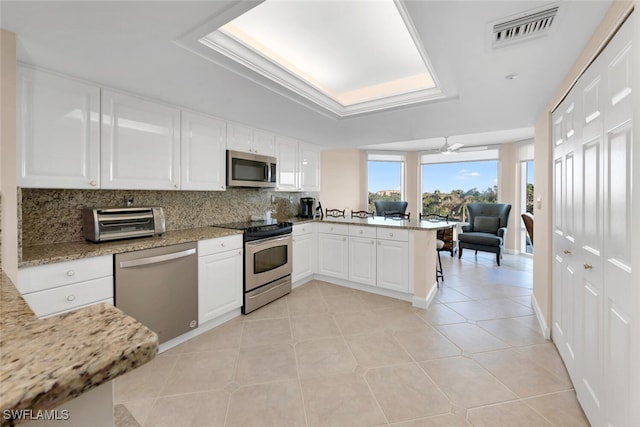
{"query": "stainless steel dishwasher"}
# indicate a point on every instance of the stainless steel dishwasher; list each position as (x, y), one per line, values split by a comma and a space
(159, 288)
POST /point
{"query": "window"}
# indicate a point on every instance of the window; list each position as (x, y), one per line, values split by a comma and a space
(448, 187)
(385, 178)
(526, 202)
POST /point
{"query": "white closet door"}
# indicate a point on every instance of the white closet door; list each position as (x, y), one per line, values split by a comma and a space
(619, 309)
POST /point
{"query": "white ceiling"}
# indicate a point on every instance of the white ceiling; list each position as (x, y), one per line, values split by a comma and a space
(132, 46)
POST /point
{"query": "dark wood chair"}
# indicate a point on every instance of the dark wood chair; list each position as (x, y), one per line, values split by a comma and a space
(527, 218)
(444, 240)
(361, 214)
(335, 212)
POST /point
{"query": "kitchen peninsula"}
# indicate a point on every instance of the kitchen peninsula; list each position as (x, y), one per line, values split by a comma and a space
(403, 265)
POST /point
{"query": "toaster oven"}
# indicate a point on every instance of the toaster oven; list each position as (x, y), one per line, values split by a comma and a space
(104, 224)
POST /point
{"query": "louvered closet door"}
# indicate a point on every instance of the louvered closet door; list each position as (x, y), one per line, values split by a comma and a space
(619, 310)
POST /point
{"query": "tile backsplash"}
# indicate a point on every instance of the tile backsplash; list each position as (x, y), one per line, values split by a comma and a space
(54, 216)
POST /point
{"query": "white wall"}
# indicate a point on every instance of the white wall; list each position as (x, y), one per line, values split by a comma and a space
(343, 179)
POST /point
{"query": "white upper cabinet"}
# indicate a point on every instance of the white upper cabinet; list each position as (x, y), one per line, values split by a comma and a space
(140, 144)
(58, 134)
(249, 140)
(288, 164)
(202, 153)
(264, 143)
(310, 167)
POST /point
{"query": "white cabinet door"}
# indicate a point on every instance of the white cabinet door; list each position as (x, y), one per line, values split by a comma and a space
(333, 255)
(140, 144)
(202, 153)
(264, 143)
(393, 265)
(304, 256)
(362, 260)
(219, 284)
(310, 167)
(58, 133)
(239, 138)
(288, 164)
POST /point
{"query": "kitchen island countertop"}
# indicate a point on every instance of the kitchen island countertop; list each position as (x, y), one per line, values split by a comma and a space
(378, 221)
(47, 362)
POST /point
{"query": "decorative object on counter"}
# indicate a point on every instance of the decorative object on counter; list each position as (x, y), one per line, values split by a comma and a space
(361, 214)
(391, 207)
(486, 230)
(397, 215)
(335, 213)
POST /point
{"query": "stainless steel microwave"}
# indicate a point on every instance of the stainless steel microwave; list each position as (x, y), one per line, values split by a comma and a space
(250, 170)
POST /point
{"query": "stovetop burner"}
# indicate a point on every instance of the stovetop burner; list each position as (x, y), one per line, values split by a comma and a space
(254, 230)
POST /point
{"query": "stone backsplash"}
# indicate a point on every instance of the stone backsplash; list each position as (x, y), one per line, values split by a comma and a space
(55, 216)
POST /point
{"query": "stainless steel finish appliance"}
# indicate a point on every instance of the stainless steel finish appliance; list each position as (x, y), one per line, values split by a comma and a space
(159, 288)
(250, 170)
(267, 262)
(104, 224)
(307, 207)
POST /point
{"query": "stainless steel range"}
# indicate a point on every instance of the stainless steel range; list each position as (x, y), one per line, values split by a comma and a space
(267, 261)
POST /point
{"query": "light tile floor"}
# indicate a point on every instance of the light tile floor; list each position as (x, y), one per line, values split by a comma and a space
(326, 355)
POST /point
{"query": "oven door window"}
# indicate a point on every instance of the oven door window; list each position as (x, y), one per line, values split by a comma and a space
(269, 259)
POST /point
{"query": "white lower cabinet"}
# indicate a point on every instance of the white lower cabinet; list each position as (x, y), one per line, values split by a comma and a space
(333, 255)
(305, 252)
(219, 276)
(57, 288)
(362, 255)
(393, 265)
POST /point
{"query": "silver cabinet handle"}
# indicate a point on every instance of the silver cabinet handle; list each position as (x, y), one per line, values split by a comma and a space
(93, 183)
(361, 231)
(71, 298)
(156, 259)
(71, 273)
(372, 242)
(176, 185)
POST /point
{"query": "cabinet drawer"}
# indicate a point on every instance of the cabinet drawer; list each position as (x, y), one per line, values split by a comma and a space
(301, 229)
(221, 244)
(342, 229)
(362, 231)
(39, 278)
(69, 297)
(396, 234)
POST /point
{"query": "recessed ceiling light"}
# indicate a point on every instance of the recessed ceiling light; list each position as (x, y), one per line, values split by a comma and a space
(349, 57)
(511, 76)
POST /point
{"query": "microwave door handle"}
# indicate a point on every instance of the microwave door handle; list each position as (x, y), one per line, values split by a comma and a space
(267, 173)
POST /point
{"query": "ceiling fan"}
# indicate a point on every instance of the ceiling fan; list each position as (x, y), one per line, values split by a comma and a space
(447, 149)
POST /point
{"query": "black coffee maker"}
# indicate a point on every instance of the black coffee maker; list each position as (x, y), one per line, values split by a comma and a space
(307, 207)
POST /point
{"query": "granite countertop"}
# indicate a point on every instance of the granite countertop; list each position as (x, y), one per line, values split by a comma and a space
(379, 221)
(59, 252)
(46, 362)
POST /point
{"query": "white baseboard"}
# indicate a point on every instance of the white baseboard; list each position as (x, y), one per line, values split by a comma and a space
(425, 302)
(199, 330)
(546, 331)
(365, 288)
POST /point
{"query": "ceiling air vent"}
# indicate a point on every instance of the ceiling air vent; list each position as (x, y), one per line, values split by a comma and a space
(523, 27)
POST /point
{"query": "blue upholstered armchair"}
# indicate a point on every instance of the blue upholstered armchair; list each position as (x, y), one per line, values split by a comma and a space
(486, 230)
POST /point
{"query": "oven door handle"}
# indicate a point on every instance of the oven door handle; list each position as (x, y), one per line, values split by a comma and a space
(267, 291)
(268, 240)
